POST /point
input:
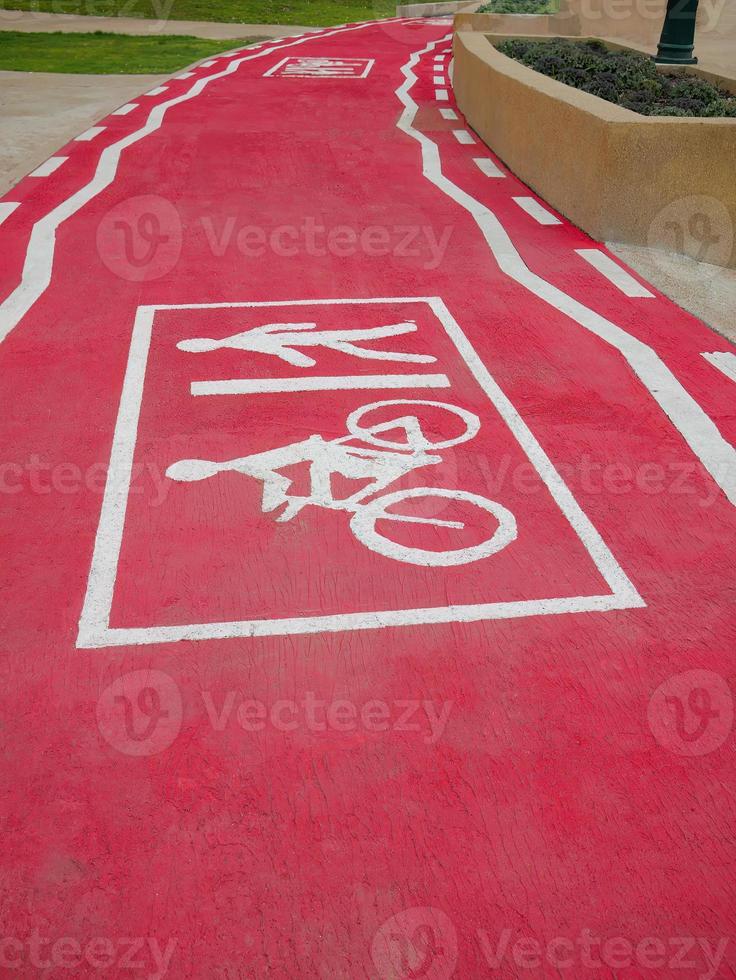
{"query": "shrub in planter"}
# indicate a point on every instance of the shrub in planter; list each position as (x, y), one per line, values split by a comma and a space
(518, 7)
(626, 78)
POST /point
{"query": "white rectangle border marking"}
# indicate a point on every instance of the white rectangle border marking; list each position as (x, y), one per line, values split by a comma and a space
(94, 628)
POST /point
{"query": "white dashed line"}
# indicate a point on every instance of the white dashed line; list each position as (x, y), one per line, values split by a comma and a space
(725, 362)
(463, 136)
(448, 113)
(697, 428)
(125, 109)
(535, 209)
(439, 79)
(158, 91)
(89, 134)
(7, 208)
(614, 272)
(441, 94)
(488, 167)
(52, 164)
(184, 75)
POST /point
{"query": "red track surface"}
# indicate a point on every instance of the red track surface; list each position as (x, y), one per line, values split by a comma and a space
(311, 747)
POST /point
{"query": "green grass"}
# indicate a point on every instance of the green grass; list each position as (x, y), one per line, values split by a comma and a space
(104, 54)
(310, 13)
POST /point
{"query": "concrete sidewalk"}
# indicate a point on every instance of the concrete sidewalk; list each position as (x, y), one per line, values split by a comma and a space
(41, 112)
(22, 20)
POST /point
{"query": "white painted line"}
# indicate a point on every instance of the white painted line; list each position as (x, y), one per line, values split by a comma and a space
(158, 91)
(463, 136)
(439, 80)
(98, 638)
(49, 167)
(125, 109)
(488, 167)
(448, 114)
(208, 64)
(89, 134)
(540, 214)
(439, 57)
(7, 208)
(39, 260)
(724, 361)
(695, 426)
(260, 386)
(615, 273)
(440, 94)
(184, 75)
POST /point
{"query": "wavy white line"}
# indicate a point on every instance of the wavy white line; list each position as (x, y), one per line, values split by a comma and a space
(38, 266)
(694, 425)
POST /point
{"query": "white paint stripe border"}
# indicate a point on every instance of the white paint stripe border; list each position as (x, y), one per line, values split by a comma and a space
(535, 210)
(615, 273)
(49, 167)
(346, 622)
(89, 134)
(7, 208)
(724, 361)
(695, 426)
(488, 167)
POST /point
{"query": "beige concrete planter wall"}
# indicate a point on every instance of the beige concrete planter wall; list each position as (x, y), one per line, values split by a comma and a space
(617, 175)
(553, 25)
(634, 20)
(627, 20)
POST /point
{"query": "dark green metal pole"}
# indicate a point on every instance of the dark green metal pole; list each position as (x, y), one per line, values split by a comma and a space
(678, 34)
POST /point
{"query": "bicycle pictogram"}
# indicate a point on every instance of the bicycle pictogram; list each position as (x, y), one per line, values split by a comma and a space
(366, 452)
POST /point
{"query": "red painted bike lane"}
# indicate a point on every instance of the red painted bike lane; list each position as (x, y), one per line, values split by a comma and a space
(367, 538)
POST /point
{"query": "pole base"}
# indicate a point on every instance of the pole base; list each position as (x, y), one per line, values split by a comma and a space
(673, 59)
